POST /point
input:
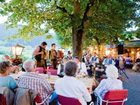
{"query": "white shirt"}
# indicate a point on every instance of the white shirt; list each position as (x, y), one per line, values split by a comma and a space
(82, 67)
(59, 68)
(108, 61)
(71, 87)
(94, 60)
(108, 84)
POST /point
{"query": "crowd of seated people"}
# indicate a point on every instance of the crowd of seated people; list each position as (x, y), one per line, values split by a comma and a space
(30, 79)
(68, 86)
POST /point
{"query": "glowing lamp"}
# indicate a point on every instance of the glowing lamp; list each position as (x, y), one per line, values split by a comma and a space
(17, 50)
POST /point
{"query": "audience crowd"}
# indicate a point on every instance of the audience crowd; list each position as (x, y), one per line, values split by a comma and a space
(106, 72)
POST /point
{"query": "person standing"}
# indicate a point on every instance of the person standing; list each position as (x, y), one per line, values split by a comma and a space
(40, 54)
(121, 62)
(53, 55)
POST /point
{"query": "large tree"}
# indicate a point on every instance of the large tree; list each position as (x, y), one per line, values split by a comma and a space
(103, 20)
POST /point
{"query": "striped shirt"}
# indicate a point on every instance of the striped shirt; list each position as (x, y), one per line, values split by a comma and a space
(35, 82)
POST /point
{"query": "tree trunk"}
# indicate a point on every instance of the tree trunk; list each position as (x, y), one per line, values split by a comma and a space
(77, 36)
(101, 50)
(79, 26)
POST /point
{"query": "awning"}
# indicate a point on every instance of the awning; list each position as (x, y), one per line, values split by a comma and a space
(133, 44)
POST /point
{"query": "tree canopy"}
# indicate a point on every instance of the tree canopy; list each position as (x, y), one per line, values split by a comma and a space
(76, 22)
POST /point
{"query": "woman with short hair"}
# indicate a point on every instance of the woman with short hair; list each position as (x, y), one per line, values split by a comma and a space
(69, 86)
(5, 79)
(111, 83)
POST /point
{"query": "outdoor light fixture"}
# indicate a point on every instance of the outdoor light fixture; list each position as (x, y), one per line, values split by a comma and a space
(17, 51)
(132, 52)
(107, 52)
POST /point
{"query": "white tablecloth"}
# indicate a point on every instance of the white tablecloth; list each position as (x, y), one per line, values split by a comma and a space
(86, 80)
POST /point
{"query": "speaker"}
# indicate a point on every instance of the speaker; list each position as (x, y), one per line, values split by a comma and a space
(120, 49)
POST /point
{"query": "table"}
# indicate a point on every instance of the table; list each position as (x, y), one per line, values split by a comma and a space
(52, 79)
(86, 80)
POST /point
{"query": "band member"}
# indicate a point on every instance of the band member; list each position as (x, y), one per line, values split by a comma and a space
(41, 55)
(94, 59)
(108, 61)
(53, 55)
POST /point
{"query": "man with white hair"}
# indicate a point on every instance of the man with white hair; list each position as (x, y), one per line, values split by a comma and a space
(111, 83)
(32, 80)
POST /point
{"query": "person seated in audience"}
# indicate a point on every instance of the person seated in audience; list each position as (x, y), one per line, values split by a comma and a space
(128, 62)
(34, 81)
(138, 60)
(94, 59)
(99, 72)
(7, 58)
(69, 86)
(86, 60)
(60, 70)
(136, 66)
(5, 79)
(108, 61)
(111, 83)
(82, 70)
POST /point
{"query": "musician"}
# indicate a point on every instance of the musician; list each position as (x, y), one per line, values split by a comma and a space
(94, 59)
(40, 54)
(53, 55)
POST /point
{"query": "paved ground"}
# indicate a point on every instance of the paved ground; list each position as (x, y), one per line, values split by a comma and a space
(133, 86)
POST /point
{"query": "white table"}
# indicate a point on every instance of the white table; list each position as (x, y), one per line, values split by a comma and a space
(52, 79)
